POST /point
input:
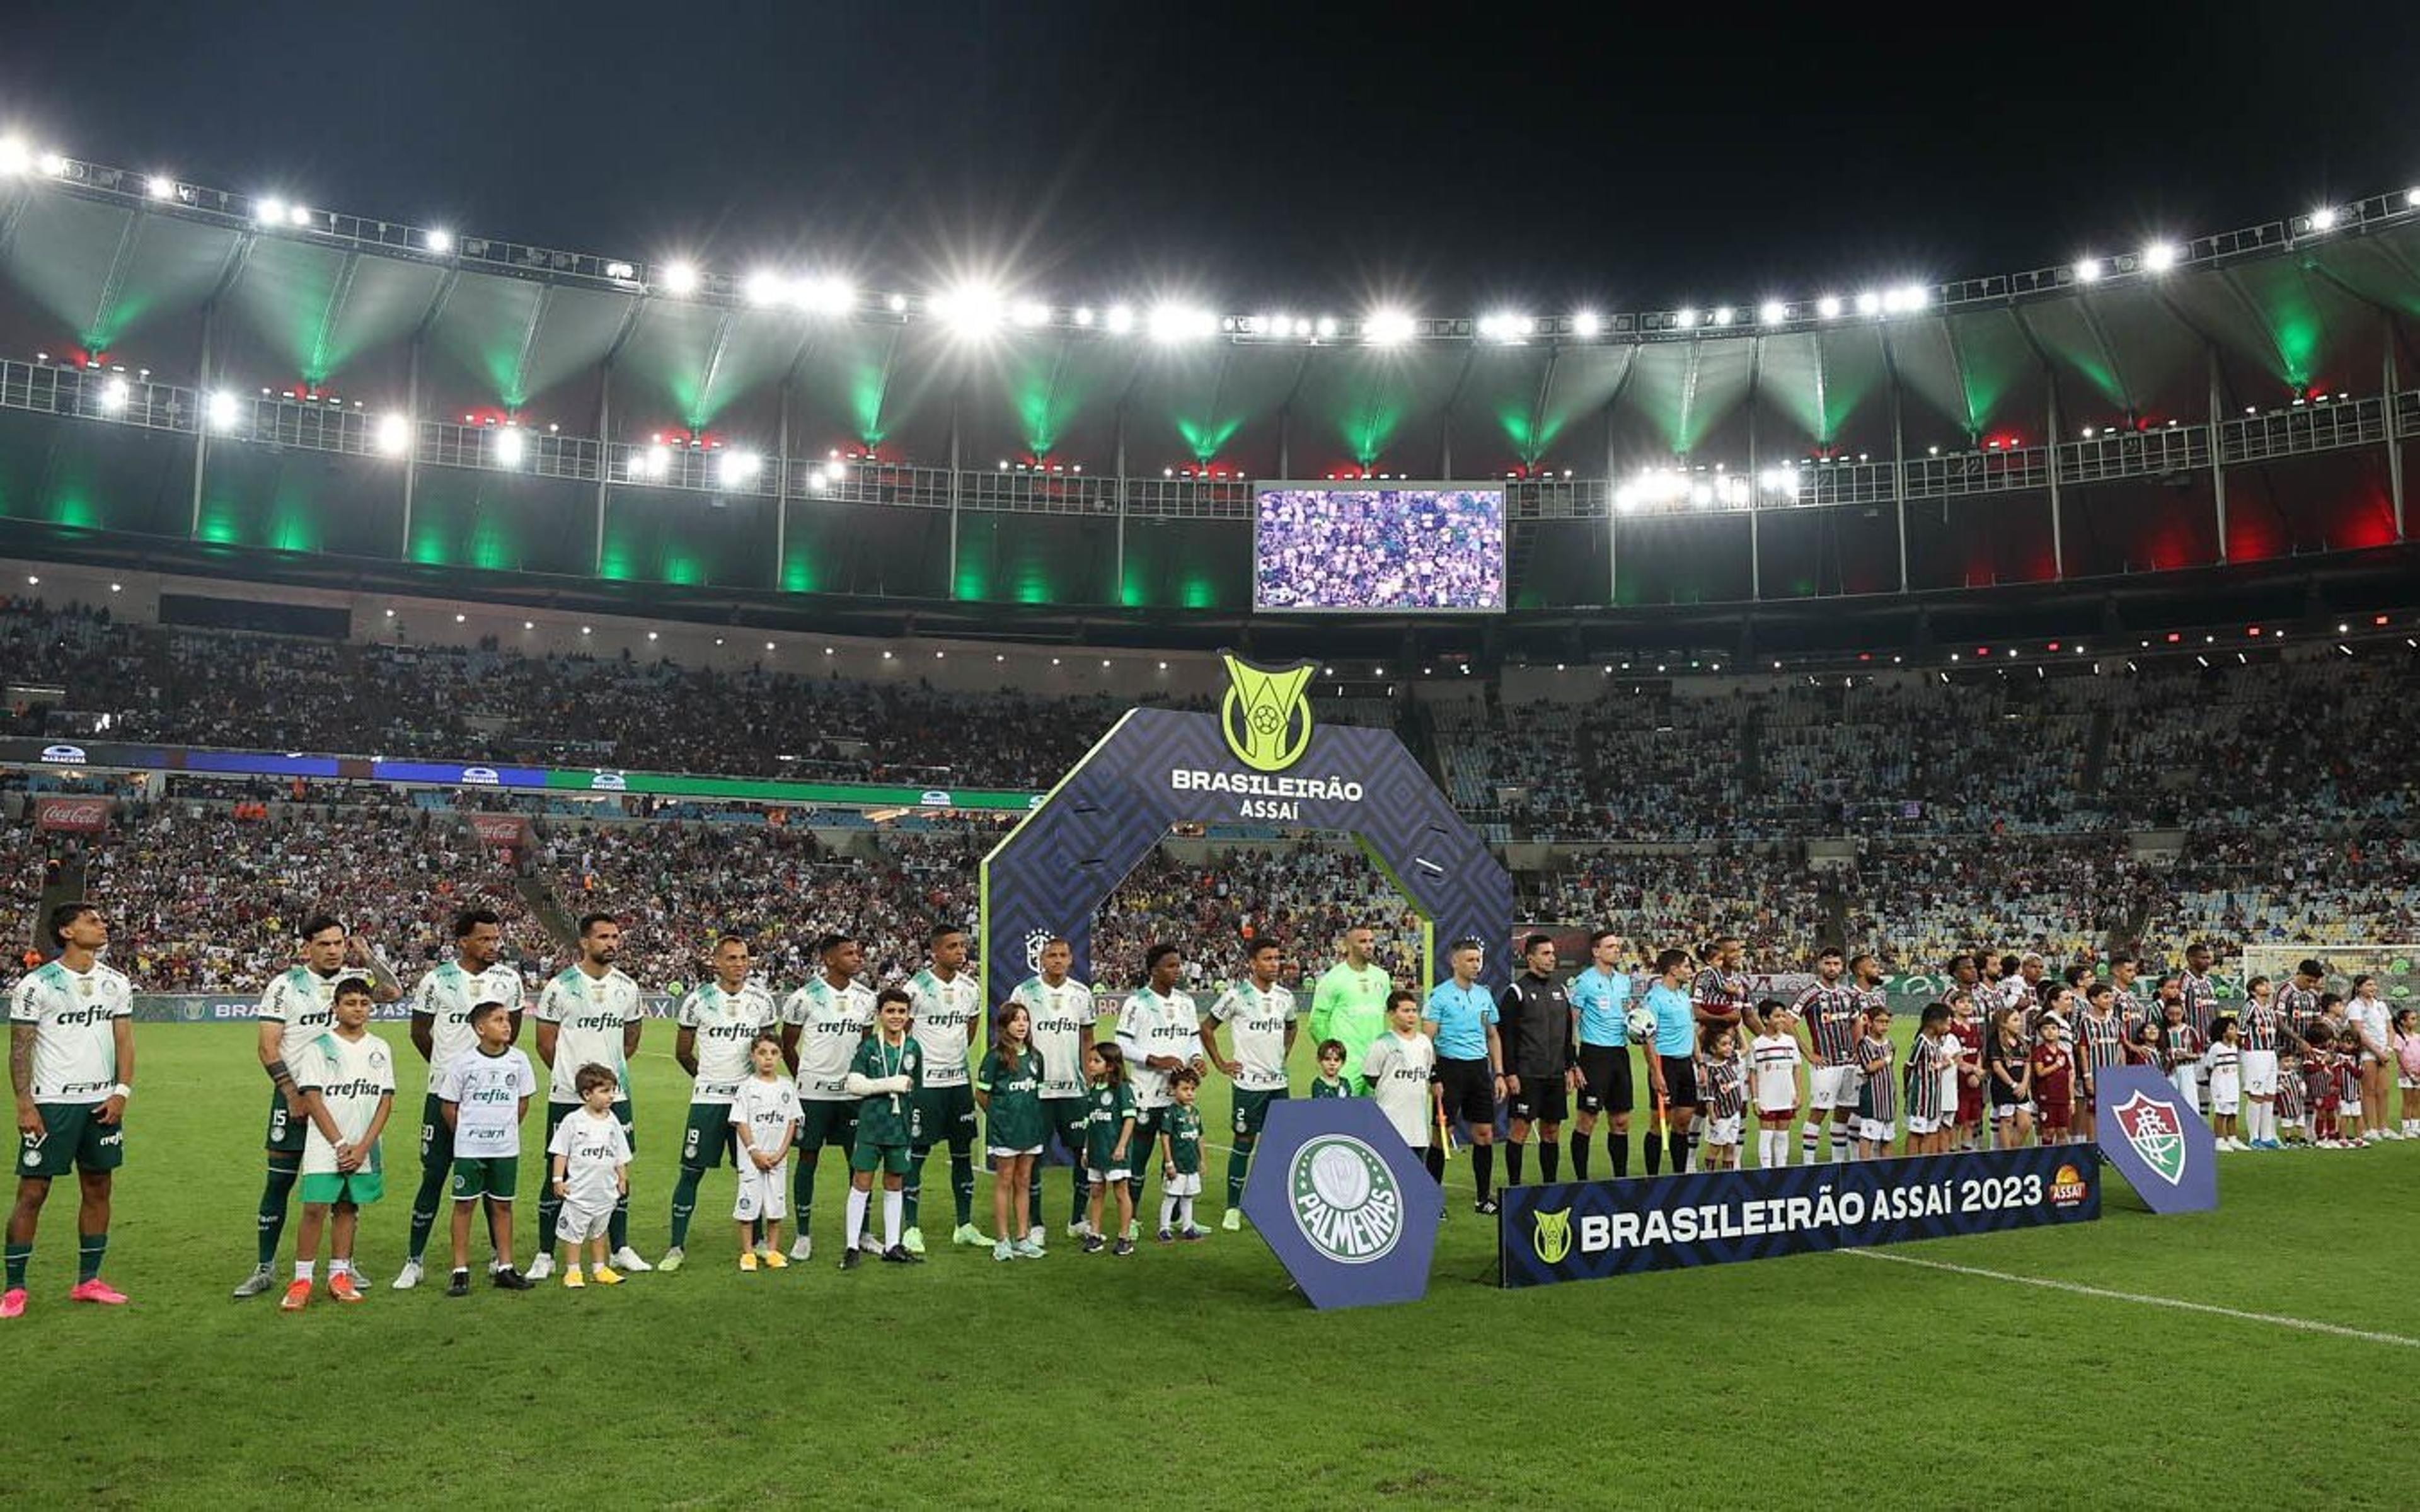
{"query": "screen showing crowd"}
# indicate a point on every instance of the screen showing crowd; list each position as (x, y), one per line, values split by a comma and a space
(1390, 549)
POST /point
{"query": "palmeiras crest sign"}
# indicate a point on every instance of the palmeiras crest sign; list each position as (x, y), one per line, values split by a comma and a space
(1261, 758)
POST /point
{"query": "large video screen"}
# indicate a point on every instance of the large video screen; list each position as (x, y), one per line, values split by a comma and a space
(1408, 548)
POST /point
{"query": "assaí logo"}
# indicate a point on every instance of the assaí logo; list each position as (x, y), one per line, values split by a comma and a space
(2067, 1187)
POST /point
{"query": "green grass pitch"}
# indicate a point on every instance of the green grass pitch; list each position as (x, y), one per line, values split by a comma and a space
(1189, 1376)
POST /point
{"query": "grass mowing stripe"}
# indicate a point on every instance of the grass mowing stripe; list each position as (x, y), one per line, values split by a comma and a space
(2277, 1319)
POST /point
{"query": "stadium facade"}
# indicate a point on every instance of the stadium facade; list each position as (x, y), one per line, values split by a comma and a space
(211, 383)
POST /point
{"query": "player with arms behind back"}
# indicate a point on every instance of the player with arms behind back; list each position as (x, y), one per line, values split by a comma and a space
(588, 1015)
(440, 1028)
(71, 1060)
(346, 1076)
(948, 1003)
(1259, 1016)
(1061, 1013)
(719, 1023)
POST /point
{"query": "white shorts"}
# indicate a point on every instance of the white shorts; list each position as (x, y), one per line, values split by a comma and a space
(1925, 1126)
(762, 1195)
(2349, 1107)
(2409, 1083)
(577, 1224)
(1096, 1176)
(1723, 1131)
(2261, 1072)
(2224, 1104)
(1875, 1132)
(2187, 1081)
(1182, 1185)
(1832, 1086)
(2009, 1110)
(1002, 1152)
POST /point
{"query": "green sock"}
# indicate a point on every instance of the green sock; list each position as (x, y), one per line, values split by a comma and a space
(1239, 1162)
(911, 1191)
(90, 1249)
(684, 1204)
(18, 1256)
(962, 1185)
(273, 1194)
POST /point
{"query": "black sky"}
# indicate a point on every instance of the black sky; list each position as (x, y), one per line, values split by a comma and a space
(1253, 155)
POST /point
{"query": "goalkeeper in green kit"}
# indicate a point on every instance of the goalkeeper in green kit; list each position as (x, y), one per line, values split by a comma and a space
(1349, 1005)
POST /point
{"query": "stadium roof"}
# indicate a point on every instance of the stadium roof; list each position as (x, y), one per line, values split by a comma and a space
(2162, 365)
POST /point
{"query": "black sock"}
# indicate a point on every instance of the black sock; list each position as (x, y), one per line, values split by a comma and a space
(1514, 1155)
(1436, 1163)
(1618, 1142)
(1579, 1157)
(1654, 1155)
(1679, 1145)
(1482, 1168)
(1550, 1159)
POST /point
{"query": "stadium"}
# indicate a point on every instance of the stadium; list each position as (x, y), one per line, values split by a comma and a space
(1980, 630)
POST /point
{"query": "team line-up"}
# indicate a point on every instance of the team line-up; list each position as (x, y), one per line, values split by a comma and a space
(886, 1076)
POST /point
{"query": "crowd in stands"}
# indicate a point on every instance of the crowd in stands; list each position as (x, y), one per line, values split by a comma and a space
(1769, 898)
(1302, 897)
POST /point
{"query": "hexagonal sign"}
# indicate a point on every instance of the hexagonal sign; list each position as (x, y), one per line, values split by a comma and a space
(1346, 1204)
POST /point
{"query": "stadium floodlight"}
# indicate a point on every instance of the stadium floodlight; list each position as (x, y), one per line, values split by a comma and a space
(1387, 326)
(15, 156)
(680, 278)
(159, 186)
(2087, 270)
(225, 410)
(2159, 257)
(2324, 218)
(1326, 328)
(393, 434)
(114, 395)
(739, 469)
(1828, 307)
(766, 287)
(655, 462)
(270, 211)
(439, 243)
(53, 166)
(1870, 302)
(969, 309)
(1904, 300)
(1587, 323)
(1271, 325)
(828, 295)
(299, 215)
(1121, 320)
(1781, 480)
(1181, 322)
(1033, 313)
(1684, 318)
(1771, 312)
(507, 447)
(2411, 199)
(620, 271)
(1084, 316)
(1725, 315)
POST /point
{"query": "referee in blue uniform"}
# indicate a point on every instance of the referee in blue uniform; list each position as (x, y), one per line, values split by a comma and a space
(1461, 1017)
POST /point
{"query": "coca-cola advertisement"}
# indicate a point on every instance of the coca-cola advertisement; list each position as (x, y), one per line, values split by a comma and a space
(86, 814)
(504, 831)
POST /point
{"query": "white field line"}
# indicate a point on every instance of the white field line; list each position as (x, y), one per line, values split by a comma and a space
(2077, 1289)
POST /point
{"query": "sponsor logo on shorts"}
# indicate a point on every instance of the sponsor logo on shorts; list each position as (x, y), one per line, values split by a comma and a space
(1551, 1234)
(1346, 1203)
(2150, 1126)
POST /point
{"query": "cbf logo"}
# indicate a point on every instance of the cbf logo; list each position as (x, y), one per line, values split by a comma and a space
(2150, 1127)
(1550, 1235)
(1345, 1200)
(1035, 940)
(1264, 715)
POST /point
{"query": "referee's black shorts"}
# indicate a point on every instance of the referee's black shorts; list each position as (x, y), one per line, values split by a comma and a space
(1544, 1098)
(1604, 1079)
(1470, 1091)
(1680, 1081)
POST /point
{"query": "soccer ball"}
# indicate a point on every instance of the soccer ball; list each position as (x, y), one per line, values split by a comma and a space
(1340, 1179)
(1642, 1023)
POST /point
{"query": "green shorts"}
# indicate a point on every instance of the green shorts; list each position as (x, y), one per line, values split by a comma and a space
(73, 1139)
(1252, 1109)
(826, 1123)
(360, 1188)
(436, 1134)
(892, 1159)
(1064, 1117)
(288, 1129)
(486, 1175)
(709, 1140)
(557, 1112)
(943, 1116)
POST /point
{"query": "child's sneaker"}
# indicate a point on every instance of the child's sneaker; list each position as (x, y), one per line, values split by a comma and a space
(541, 1267)
(1166, 1236)
(1079, 1229)
(605, 1276)
(1094, 1244)
(459, 1285)
(1003, 1250)
(573, 1279)
(1191, 1235)
(776, 1261)
(1125, 1246)
(747, 1259)
(342, 1286)
(297, 1296)
(1027, 1249)
(508, 1279)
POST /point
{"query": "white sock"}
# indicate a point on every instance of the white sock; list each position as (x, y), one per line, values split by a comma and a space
(303, 1270)
(340, 1265)
(857, 1201)
(1839, 1143)
(891, 1203)
(1810, 1138)
(1167, 1212)
(1185, 1213)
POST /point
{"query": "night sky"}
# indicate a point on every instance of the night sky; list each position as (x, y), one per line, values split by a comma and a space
(1241, 156)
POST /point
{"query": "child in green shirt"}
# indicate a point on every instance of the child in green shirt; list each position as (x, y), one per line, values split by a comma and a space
(1181, 1158)
(1109, 1130)
(889, 1068)
(1008, 1086)
(1330, 1081)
